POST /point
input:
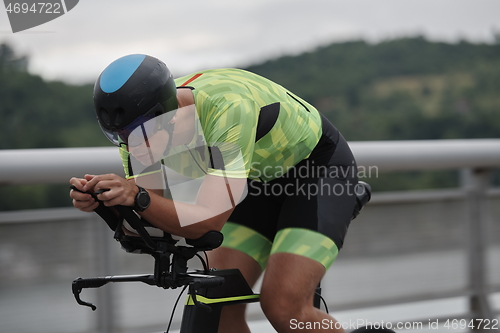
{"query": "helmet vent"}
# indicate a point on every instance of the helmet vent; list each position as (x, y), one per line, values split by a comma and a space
(104, 116)
(119, 116)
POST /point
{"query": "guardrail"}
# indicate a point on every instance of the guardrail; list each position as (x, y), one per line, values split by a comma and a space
(476, 158)
(32, 166)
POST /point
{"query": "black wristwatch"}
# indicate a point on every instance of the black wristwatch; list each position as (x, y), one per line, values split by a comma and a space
(142, 200)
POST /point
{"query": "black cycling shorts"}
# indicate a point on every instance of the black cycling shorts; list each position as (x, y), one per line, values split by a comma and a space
(306, 211)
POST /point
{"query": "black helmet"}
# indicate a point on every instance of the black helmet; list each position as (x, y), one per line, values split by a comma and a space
(130, 91)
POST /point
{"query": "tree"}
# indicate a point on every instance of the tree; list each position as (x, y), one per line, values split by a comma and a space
(10, 62)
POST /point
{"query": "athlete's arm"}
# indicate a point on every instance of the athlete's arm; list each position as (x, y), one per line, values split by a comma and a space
(215, 202)
(214, 205)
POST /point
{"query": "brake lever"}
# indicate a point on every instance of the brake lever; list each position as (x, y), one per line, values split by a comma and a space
(77, 289)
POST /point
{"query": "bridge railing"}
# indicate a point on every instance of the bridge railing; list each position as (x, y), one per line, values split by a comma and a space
(475, 158)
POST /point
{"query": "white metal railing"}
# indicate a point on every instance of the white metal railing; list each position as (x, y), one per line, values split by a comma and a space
(475, 157)
(30, 166)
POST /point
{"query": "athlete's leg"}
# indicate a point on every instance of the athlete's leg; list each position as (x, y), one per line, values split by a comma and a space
(233, 317)
(312, 224)
(287, 295)
(247, 244)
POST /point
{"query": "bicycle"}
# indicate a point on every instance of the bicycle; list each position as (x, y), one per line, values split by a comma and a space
(209, 290)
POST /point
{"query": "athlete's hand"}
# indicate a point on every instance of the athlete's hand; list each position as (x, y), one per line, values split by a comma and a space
(118, 190)
(82, 201)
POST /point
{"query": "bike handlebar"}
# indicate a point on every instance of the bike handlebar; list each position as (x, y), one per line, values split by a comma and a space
(209, 241)
(161, 248)
(194, 281)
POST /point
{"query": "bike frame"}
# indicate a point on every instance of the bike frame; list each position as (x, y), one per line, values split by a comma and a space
(235, 290)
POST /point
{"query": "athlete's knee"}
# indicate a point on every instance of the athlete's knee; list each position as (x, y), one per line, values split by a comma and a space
(283, 307)
(283, 317)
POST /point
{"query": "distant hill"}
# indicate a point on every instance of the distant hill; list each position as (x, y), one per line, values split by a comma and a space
(35, 113)
(400, 89)
(407, 88)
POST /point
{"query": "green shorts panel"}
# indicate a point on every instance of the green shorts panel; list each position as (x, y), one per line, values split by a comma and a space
(304, 242)
(248, 241)
(307, 243)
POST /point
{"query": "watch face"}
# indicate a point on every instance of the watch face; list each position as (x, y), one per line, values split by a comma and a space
(143, 199)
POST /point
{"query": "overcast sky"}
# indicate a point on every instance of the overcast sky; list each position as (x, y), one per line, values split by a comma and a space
(197, 34)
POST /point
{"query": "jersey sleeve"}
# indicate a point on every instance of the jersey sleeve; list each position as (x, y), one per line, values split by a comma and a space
(231, 138)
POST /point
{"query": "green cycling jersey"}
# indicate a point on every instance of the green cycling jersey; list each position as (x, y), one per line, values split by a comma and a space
(228, 103)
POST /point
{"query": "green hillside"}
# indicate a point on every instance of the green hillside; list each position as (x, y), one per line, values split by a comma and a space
(400, 89)
(40, 114)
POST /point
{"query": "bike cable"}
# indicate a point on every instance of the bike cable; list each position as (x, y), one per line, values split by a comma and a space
(206, 258)
(204, 262)
(175, 307)
(324, 302)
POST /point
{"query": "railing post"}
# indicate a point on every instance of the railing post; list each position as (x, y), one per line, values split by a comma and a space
(476, 183)
(104, 265)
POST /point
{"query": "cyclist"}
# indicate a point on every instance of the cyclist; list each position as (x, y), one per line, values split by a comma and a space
(277, 178)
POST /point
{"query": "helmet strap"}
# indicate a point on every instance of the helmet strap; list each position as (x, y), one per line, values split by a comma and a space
(170, 130)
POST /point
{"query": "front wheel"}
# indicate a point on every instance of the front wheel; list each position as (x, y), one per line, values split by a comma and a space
(367, 329)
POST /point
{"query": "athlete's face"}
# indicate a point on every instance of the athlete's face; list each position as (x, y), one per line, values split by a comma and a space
(149, 142)
(151, 150)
